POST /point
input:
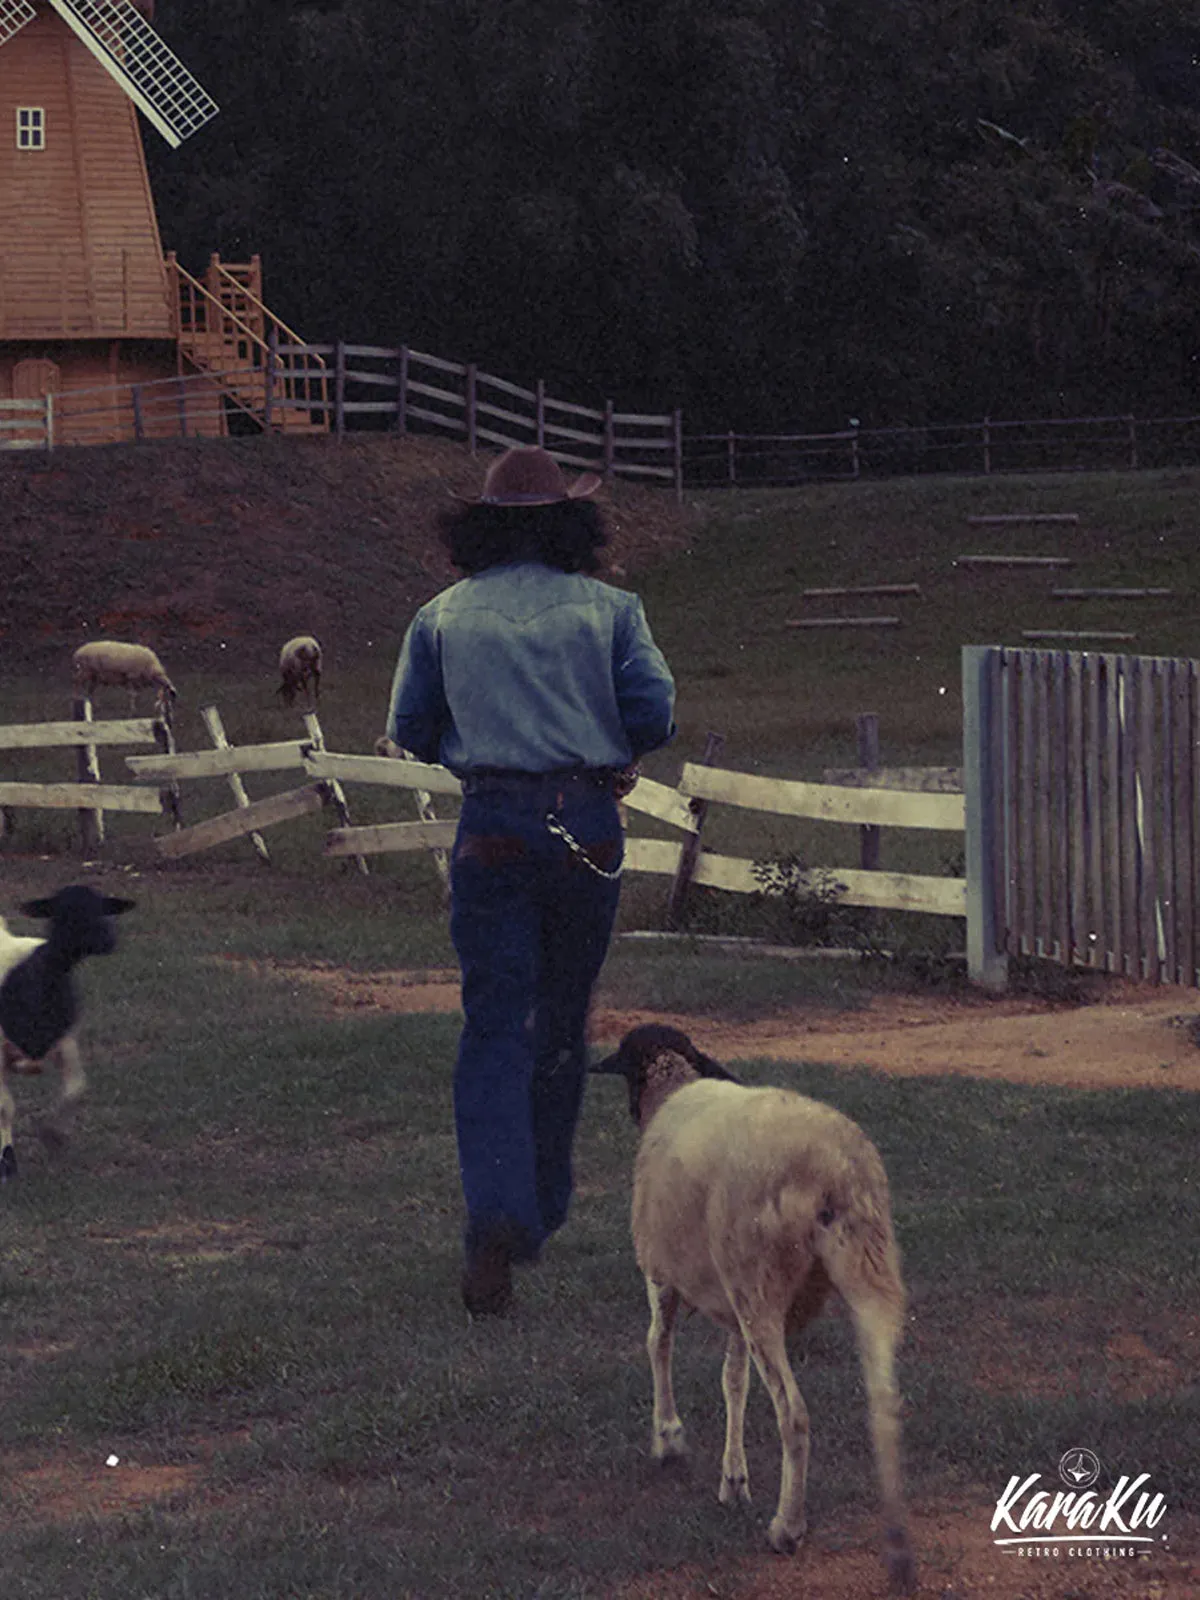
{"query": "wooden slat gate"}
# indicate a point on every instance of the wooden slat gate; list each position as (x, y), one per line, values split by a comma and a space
(1084, 825)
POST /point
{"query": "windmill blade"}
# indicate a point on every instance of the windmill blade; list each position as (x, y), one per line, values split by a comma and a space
(148, 70)
(14, 14)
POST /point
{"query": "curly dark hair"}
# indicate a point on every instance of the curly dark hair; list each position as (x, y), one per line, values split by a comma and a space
(568, 535)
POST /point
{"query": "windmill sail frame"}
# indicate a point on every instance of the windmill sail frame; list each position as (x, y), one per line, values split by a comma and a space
(142, 63)
(14, 14)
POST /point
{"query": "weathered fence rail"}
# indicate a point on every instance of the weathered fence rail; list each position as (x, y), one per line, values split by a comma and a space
(27, 424)
(1044, 444)
(90, 796)
(408, 389)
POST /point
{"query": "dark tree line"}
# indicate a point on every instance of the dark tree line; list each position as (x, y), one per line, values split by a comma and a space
(772, 212)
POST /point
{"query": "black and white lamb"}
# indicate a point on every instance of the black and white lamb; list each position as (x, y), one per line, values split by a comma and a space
(750, 1205)
(39, 1010)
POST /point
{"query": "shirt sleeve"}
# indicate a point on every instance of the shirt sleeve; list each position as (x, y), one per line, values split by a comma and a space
(644, 685)
(419, 715)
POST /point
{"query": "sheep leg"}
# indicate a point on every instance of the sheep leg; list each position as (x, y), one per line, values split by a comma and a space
(666, 1441)
(878, 1326)
(8, 1159)
(735, 1383)
(53, 1130)
(769, 1353)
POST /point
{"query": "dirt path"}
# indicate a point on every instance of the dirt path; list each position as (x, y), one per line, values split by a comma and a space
(1138, 1036)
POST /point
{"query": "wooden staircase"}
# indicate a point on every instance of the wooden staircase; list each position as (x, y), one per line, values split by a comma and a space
(225, 331)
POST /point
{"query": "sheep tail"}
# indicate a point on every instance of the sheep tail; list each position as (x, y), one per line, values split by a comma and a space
(857, 1247)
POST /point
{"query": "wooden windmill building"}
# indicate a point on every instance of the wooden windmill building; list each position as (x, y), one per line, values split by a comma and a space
(91, 312)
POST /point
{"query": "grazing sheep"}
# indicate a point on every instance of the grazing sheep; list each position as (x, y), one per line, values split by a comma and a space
(300, 669)
(130, 666)
(750, 1205)
(38, 1007)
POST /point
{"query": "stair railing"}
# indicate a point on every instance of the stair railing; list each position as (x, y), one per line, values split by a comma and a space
(300, 373)
(253, 350)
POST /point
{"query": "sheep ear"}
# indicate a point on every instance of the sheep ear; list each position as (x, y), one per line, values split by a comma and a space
(612, 1065)
(38, 908)
(113, 905)
(708, 1068)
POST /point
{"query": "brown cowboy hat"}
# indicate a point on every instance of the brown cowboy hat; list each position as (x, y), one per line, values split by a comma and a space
(527, 475)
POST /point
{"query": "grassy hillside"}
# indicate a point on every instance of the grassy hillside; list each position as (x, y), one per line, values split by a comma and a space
(215, 552)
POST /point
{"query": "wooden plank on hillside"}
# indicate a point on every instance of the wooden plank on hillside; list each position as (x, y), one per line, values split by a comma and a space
(386, 836)
(1012, 561)
(221, 762)
(1110, 594)
(825, 802)
(233, 824)
(913, 780)
(661, 801)
(1001, 517)
(53, 735)
(382, 770)
(862, 588)
(1075, 633)
(79, 796)
(842, 622)
(888, 891)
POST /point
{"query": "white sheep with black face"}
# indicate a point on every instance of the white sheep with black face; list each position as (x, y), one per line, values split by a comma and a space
(750, 1205)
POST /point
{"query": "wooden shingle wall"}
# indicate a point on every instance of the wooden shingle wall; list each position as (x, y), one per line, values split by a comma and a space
(80, 254)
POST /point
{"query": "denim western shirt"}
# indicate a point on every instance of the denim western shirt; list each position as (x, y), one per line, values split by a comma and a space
(527, 668)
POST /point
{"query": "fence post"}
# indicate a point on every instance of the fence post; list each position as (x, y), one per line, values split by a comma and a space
(987, 445)
(610, 446)
(339, 388)
(731, 457)
(91, 823)
(472, 384)
(272, 367)
(1133, 449)
(540, 412)
(211, 718)
(49, 422)
(402, 391)
(854, 463)
(168, 797)
(181, 399)
(338, 795)
(677, 442)
(987, 961)
(690, 850)
(869, 834)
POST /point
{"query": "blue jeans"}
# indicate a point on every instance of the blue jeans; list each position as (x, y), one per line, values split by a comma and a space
(531, 923)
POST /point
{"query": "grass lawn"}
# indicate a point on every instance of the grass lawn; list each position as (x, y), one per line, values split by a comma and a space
(246, 1270)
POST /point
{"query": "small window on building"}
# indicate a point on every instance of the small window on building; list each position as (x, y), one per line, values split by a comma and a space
(31, 128)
